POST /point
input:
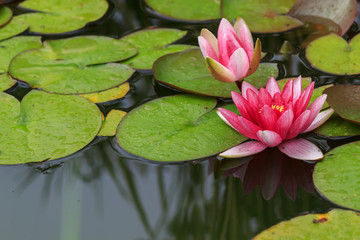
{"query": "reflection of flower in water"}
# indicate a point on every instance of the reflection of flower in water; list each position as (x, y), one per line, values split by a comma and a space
(274, 118)
(270, 169)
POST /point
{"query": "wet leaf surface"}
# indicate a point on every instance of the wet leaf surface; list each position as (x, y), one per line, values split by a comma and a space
(108, 95)
(14, 27)
(5, 15)
(111, 122)
(338, 127)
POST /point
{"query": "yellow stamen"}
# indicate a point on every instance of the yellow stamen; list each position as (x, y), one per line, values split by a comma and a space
(277, 107)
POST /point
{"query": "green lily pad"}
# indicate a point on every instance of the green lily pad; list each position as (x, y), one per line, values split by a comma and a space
(108, 95)
(187, 71)
(338, 127)
(344, 99)
(337, 176)
(176, 128)
(333, 54)
(261, 16)
(152, 44)
(10, 48)
(186, 10)
(62, 16)
(334, 225)
(14, 27)
(111, 122)
(6, 82)
(5, 15)
(74, 66)
(45, 126)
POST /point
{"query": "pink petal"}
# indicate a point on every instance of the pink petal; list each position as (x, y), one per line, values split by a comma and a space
(253, 99)
(245, 86)
(268, 118)
(240, 103)
(303, 100)
(297, 88)
(287, 91)
(239, 63)
(269, 138)
(218, 71)
(264, 97)
(229, 118)
(320, 119)
(249, 128)
(228, 42)
(243, 150)
(315, 108)
(272, 87)
(301, 149)
(284, 122)
(244, 34)
(211, 39)
(206, 49)
(277, 99)
(298, 125)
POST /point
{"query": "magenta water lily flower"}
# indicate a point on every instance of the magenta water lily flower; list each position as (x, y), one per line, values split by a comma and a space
(274, 118)
(232, 56)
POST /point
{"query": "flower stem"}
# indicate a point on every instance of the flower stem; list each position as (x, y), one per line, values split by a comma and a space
(238, 84)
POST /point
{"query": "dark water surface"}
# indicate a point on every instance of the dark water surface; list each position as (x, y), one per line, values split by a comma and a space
(101, 193)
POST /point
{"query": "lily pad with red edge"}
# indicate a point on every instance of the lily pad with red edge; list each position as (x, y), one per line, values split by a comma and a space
(152, 44)
(14, 27)
(332, 54)
(111, 122)
(345, 100)
(108, 95)
(176, 128)
(52, 17)
(336, 224)
(338, 127)
(261, 16)
(76, 65)
(45, 126)
(337, 176)
(187, 71)
(186, 10)
(5, 15)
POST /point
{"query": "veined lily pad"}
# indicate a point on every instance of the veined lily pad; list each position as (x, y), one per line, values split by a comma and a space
(108, 95)
(261, 16)
(152, 44)
(6, 81)
(111, 122)
(187, 71)
(176, 128)
(336, 224)
(338, 127)
(187, 10)
(5, 15)
(45, 126)
(75, 65)
(344, 99)
(333, 54)
(61, 16)
(337, 176)
(14, 27)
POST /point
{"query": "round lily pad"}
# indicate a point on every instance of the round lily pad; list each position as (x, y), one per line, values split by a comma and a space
(186, 10)
(14, 27)
(333, 54)
(108, 95)
(6, 82)
(336, 224)
(187, 71)
(53, 17)
(338, 127)
(345, 100)
(152, 44)
(261, 16)
(45, 126)
(74, 66)
(176, 128)
(337, 176)
(5, 15)
(111, 122)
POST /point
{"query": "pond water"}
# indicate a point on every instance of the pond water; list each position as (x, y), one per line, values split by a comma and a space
(105, 193)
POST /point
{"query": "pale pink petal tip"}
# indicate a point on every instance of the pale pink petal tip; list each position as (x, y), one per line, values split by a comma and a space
(320, 119)
(239, 63)
(272, 87)
(301, 149)
(244, 150)
(245, 86)
(269, 138)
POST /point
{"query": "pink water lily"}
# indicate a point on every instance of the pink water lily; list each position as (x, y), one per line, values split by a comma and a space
(232, 56)
(274, 118)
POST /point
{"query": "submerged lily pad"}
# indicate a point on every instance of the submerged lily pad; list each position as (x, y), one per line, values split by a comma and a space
(261, 16)
(45, 126)
(5, 15)
(187, 71)
(111, 122)
(338, 127)
(337, 176)
(108, 95)
(176, 128)
(6, 81)
(187, 10)
(333, 54)
(14, 27)
(74, 66)
(345, 100)
(336, 224)
(62, 16)
(152, 44)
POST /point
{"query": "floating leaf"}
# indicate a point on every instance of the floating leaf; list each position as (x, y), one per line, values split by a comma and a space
(187, 71)
(176, 128)
(108, 95)
(337, 176)
(345, 100)
(15, 27)
(338, 127)
(333, 54)
(187, 10)
(336, 224)
(6, 82)
(45, 126)
(152, 44)
(62, 16)
(74, 65)
(111, 122)
(261, 16)
(5, 15)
